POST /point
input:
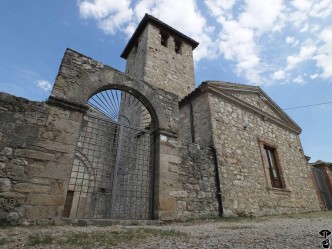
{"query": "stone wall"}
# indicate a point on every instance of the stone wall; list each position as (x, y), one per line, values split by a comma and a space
(199, 197)
(197, 191)
(238, 134)
(38, 140)
(37, 144)
(161, 66)
(195, 119)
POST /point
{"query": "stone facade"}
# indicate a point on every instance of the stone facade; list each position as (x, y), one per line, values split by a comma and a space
(161, 65)
(209, 144)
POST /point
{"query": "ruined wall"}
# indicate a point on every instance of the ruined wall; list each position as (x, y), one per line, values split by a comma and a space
(244, 184)
(37, 145)
(161, 66)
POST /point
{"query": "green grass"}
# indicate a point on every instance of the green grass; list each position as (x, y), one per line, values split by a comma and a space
(3, 241)
(43, 239)
(103, 238)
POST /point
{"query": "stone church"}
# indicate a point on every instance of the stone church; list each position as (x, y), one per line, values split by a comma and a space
(147, 145)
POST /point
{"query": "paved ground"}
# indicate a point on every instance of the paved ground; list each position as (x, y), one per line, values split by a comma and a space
(300, 231)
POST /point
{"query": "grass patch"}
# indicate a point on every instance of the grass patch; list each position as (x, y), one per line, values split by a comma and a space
(43, 239)
(3, 241)
(4, 223)
(113, 238)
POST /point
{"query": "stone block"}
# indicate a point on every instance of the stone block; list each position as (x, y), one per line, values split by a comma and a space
(17, 173)
(8, 151)
(34, 154)
(5, 184)
(167, 204)
(181, 194)
(2, 165)
(45, 200)
(31, 188)
(181, 205)
(63, 124)
(56, 146)
(165, 215)
(57, 187)
(40, 181)
(41, 212)
(50, 170)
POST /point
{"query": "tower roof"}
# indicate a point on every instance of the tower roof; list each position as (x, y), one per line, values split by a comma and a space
(156, 22)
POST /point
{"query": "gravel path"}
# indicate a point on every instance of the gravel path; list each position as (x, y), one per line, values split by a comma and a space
(298, 232)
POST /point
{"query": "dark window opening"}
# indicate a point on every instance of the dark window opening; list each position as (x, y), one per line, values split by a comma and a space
(68, 204)
(178, 46)
(164, 39)
(274, 168)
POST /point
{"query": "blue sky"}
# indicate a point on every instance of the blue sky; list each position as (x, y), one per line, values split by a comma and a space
(283, 46)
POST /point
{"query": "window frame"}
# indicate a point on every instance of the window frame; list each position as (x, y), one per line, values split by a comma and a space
(264, 146)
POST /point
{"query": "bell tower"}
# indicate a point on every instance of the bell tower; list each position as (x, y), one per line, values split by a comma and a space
(162, 56)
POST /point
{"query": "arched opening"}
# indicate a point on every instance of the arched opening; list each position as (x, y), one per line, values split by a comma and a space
(113, 171)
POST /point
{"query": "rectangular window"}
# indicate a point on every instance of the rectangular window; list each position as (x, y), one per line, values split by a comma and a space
(178, 46)
(273, 166)
(164, 39)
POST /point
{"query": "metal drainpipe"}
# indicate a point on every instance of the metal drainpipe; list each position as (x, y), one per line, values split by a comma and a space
(219, 196)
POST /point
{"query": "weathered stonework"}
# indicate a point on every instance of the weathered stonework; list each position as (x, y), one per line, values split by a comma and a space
(149, 60)
(208, 156)
(239, 127)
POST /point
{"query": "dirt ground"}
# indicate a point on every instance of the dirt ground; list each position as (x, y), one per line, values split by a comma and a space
(295, 231)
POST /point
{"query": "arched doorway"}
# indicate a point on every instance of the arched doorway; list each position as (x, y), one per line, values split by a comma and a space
(113, 171)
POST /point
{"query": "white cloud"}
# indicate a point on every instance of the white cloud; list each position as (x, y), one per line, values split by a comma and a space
(110, 14)
(314, 76)
(324, 56)
(279, 75)
(44, 85)
(185, 17)
(306, 53)
(303, 5)
(238, 39)
(299, 80)
(321, 9)
(263, 16)
(249, 35)
(124, 15)
(290, 40)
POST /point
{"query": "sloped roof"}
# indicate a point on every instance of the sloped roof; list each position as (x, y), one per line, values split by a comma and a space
(163, 26)
(233, 93)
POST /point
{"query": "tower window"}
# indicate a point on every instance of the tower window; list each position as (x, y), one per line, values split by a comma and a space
(164, 39)
(178, 46)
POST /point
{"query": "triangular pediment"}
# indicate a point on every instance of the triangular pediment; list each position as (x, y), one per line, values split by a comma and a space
(255, 99)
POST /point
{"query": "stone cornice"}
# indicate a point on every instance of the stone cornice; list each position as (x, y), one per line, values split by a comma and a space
(221, 88)
(52, 100)
(265, 116)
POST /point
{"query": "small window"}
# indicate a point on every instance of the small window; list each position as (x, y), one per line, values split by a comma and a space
(164, 39)
(178, 46)
(274, 168)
